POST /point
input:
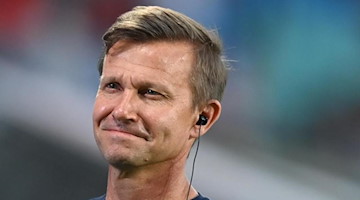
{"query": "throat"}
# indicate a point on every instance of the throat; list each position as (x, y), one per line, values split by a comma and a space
(158, 183)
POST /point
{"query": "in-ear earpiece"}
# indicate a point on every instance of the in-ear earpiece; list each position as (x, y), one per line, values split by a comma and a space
(202, 120)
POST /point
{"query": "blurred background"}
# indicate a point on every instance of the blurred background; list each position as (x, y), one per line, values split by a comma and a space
(290, 127)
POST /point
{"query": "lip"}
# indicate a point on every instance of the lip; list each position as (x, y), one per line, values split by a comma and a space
(136, 133)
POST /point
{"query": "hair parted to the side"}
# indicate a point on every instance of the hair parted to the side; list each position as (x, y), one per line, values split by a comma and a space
(152, 23)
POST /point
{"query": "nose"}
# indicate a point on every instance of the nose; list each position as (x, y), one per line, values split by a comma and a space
(125, 109)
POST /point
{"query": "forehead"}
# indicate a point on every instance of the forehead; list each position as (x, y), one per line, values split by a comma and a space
(166, 57)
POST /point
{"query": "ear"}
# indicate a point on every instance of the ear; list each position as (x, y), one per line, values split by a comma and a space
(211, 111)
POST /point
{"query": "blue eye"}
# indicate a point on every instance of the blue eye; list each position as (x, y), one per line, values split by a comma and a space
(152, 92)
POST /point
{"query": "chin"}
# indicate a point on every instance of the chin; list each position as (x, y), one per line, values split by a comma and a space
(120, 163)
(122, 160)
(117, 160)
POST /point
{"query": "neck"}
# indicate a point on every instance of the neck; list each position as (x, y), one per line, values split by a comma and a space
(166, 180)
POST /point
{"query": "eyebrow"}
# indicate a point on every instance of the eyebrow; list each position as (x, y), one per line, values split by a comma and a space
(107, 79)
(155, 85)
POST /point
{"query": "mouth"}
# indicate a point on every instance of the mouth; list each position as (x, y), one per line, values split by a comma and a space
(125, 131)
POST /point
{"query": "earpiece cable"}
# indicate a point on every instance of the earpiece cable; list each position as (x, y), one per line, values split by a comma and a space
(193, 164)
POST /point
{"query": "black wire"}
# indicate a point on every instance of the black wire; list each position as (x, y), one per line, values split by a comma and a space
(193, 165)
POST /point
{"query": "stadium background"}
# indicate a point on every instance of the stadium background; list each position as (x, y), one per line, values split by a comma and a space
(291, 120)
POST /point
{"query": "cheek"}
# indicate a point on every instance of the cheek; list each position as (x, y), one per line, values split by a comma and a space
(101, 110)
(172, 124)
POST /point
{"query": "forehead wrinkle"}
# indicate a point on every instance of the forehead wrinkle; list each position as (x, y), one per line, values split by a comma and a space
(120, 47)
(122, 54)
(138, 64)
(134, 80)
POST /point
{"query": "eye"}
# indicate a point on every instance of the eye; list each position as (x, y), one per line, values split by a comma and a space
(112, 86)
(152, 92)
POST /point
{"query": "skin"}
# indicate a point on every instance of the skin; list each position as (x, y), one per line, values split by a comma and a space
(144, 119)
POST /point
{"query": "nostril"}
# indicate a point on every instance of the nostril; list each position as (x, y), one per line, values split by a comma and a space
(123, 119)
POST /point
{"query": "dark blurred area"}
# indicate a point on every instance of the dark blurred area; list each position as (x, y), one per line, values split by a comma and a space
(290, 127)
(34, 168)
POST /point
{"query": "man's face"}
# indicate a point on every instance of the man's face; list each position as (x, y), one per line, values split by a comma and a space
(143, 110)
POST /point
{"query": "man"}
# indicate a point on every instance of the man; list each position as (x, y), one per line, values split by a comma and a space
(162, 79)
